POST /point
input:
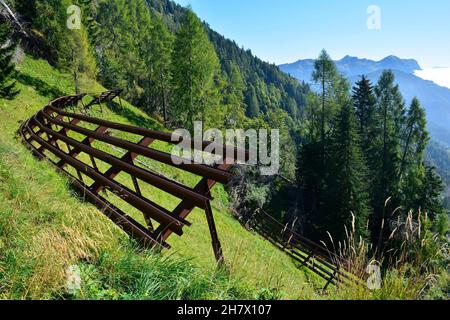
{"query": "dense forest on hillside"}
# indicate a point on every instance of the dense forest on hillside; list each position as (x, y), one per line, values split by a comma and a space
(352, 159)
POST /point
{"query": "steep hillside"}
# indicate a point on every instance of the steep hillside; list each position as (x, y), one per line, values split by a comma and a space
(44, 229)
(260, 75)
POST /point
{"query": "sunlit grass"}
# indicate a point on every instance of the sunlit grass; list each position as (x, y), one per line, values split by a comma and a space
(45, 228)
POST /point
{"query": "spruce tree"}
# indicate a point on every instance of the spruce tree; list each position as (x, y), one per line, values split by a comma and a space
(194, 66)
(252, 103)
(234, 99)
(8, 88)
(385, 185)
(159, 63)
(412, 173)
(324, 75)
(416, 137)
(364, 104)
(346, 186)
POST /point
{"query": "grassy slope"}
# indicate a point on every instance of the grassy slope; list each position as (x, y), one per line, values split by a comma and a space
(40, 238)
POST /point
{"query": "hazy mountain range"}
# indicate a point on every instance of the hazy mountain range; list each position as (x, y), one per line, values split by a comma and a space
(435, 98)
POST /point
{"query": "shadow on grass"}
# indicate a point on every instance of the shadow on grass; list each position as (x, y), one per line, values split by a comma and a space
(40, 86)
(52, 92)
(133, 117)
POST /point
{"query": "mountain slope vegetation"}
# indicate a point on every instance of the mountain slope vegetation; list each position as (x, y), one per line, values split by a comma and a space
(352, 166)
(435, 99)
(42, 233)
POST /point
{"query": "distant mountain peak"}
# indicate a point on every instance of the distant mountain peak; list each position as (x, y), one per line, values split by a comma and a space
(348, 58)
(351, 66)
(396, 63)
(435, 98)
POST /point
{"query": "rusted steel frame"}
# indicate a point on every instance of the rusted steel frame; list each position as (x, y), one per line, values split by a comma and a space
(298, 244)
(113, 172)
(157, 181)
(324, 274)
(87, 141)
(102, 156)
(128, 157)
(161, 136)
(217, 247)
(298, 256)
(109, 95)
(185, 208)
(105, 96)
(341, 276)
(311, 252)
(303, 243)
(202, 170)
(132, 198)
(128, 224)
(70, 101)
(64, 130)
(325, 260)
(300, 251)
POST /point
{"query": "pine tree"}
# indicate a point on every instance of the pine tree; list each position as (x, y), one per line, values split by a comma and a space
(390, 109)
(412, 173)
(346, 188)
(312, 165)
(234, 99)
(161, 44)
(252, 103)
(416, 137)
(364, 104)
(324, 75)
(8, 88)
(194, 66)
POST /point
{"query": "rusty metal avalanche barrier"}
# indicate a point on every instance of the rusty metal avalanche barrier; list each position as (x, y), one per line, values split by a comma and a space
(324, 263)
(85, 149)
(64, 137)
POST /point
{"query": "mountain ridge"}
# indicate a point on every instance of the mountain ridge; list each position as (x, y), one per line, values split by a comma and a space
(435, 98)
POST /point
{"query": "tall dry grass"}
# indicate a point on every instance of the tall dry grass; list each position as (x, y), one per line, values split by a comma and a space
(413, 263)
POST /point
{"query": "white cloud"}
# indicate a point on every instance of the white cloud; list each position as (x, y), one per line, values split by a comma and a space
(440, 76)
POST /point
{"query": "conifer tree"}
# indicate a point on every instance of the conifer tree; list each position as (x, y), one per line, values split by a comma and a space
(385, 170)
(8, 88)
(324, 75)
(416, 137)
(364, 104)
(234, 99)
(412, 173)
(252, 103)
(161, 44)
(194, 66)
(346, 188)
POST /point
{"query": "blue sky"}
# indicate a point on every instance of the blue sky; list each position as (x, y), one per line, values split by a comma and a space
(283, 31)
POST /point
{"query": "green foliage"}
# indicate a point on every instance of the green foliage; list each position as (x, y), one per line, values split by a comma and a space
(194, 66)
(364, 103)
(367, 160)
(149, 276)
(8, 88)
(253, 104)
(62, 231)
(272, 87)
(346, 190)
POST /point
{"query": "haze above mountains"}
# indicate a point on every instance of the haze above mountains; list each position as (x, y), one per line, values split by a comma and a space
(435, 98)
